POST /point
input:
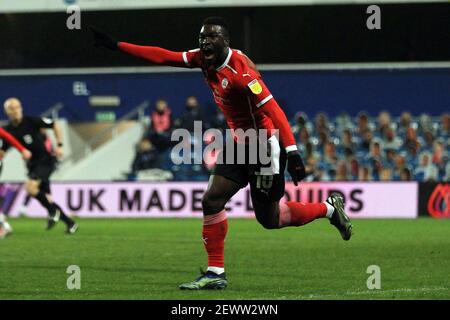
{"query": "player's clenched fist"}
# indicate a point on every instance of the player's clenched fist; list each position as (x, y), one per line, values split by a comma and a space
(296, 168)
(102, 39)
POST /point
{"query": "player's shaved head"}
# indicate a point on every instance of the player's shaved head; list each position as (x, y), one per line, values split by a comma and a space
(11, 102)
(13, 109)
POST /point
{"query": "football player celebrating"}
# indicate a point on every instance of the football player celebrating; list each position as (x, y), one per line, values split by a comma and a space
(27, 130)
(247, 103)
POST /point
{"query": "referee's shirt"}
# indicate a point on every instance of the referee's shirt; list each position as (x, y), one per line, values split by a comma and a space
(28, 132)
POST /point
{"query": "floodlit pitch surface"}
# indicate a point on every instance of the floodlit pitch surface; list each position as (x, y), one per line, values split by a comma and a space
(149, 258)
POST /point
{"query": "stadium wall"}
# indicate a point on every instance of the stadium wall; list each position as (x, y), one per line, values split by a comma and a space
(183, 199)
(347, 89)
(268, 34)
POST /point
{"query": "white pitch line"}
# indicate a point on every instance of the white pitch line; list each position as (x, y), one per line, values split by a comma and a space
(368, 292)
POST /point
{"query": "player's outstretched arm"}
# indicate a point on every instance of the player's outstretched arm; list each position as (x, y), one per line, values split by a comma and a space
(153, 54)
(102, 39)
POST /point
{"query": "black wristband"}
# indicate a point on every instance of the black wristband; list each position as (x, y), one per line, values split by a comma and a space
(60, 144)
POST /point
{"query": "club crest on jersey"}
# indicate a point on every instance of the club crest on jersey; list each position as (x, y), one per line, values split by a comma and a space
(255, 86)
(224, 83)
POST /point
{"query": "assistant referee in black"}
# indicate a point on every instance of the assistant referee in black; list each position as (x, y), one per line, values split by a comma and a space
(43, 162)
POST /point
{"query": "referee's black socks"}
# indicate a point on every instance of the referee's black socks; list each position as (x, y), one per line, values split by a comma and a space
(64, 217)
(42, 198)
(52, 207)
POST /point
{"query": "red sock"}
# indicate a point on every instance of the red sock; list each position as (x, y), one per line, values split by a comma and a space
(214, 231)
(299, 213)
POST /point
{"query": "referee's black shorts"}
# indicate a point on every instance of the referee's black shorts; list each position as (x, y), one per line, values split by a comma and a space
(266, 180)
(41, 171)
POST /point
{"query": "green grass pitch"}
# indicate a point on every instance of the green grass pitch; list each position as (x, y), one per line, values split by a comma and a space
(148, 258)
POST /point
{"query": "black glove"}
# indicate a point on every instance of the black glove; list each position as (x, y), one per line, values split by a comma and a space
(295, 167)
(102, 39)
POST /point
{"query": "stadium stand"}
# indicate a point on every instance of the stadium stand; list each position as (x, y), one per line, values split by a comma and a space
(361, 148)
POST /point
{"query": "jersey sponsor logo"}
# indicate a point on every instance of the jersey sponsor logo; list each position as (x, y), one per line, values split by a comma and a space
(255, 86)
(224, 83)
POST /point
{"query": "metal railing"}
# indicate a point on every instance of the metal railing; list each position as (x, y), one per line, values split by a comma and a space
(138, 112)
(53, 112)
